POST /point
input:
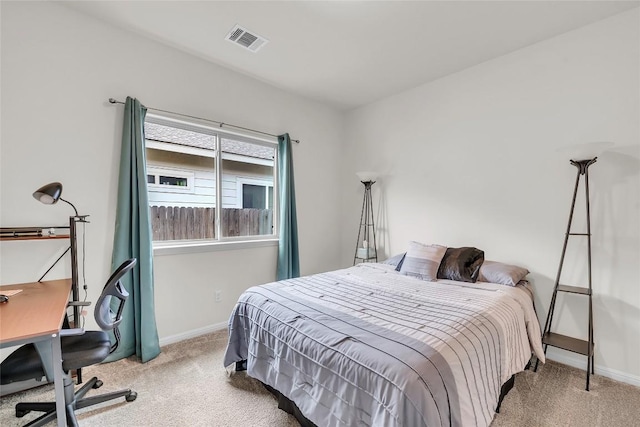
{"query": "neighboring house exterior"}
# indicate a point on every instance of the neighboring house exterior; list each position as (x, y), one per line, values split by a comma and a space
(181, 170)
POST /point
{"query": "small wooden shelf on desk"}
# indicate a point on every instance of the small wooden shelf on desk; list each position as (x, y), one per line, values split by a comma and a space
(46, 237)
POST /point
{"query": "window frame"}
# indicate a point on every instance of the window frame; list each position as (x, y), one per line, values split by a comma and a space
(168, 247)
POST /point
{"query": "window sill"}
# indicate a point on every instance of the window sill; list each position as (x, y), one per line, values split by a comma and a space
(188, 247)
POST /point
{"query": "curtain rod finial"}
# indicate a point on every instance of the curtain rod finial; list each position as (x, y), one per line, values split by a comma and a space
(112, 101)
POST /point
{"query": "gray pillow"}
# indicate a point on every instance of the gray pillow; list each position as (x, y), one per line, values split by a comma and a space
(502, 274)
(422, 261)
(395, 260)
(461, 264)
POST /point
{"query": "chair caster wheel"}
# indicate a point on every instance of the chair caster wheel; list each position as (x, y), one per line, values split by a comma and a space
(98, 384)
(131, 396)
(21, 413)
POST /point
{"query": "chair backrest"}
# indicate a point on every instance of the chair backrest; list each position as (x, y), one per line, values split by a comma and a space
(105, 316)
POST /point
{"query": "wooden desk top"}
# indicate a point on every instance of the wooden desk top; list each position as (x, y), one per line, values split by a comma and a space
(36, 311)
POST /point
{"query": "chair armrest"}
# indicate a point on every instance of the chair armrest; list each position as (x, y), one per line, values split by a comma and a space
(71, 332)
(78, 303)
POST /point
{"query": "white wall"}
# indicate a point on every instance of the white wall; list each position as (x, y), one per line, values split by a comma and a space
(59, 67)
(471, 160)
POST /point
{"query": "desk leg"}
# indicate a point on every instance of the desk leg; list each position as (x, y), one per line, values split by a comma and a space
(58, 380)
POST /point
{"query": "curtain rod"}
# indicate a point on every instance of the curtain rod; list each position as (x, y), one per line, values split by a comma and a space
(220, 124)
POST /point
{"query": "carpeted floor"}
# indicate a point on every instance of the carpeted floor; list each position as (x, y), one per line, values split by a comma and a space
(187, 385)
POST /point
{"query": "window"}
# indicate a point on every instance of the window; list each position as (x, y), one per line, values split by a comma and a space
(256, 193)
(169, 180)
(173, 180)
(253, 197)
(192, 169)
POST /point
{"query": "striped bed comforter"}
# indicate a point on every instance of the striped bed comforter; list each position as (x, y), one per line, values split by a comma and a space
(369, 346)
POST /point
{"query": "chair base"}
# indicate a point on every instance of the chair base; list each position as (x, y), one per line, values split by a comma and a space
(74, 401)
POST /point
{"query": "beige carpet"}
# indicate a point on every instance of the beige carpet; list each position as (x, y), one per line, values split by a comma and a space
(187, 385)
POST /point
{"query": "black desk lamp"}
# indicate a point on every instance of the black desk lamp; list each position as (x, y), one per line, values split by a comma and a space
(49, 195)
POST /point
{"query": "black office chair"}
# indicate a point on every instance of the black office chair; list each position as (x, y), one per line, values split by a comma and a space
(78, 351)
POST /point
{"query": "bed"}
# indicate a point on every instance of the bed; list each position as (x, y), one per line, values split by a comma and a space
(369, 346)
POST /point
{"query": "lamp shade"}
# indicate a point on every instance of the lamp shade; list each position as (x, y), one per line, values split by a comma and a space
(48, 194)
(585, 150)
(367, 176)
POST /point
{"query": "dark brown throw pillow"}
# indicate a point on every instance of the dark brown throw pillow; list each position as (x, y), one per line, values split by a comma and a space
(461, 264)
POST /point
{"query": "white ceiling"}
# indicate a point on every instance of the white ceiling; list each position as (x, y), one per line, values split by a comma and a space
(348, 53)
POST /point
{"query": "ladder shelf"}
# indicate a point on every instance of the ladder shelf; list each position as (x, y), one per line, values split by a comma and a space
(554, 339)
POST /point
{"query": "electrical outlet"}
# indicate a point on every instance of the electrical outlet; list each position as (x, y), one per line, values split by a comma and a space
(218, 296)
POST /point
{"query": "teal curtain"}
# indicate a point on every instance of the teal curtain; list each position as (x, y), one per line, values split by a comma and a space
(132, 239)
(288, 258)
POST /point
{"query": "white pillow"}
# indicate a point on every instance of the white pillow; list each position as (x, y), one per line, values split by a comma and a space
(422, 261)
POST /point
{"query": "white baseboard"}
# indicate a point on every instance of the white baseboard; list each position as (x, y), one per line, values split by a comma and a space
(192, 333)
(580, 362)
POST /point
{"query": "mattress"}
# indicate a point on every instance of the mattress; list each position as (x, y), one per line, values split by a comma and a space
(368, 346)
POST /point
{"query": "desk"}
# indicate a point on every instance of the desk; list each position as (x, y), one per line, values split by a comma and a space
(36, 315)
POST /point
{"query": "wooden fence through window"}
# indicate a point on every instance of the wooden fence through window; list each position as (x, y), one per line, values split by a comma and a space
(184, 223)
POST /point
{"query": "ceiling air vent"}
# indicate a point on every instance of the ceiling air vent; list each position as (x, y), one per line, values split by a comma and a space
(245, 38)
